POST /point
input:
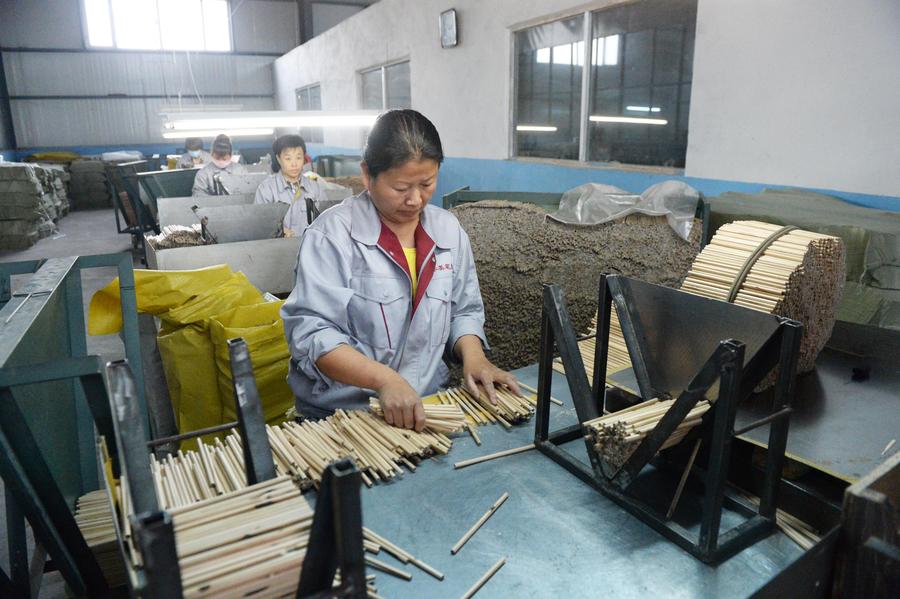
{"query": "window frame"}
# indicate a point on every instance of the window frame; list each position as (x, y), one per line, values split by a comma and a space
(383, 68)
(587, 81)
(313, 134)
(115, 43)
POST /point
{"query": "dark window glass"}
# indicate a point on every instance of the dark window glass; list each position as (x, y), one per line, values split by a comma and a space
(398, 88)
(310, 98)
(549, 63)
(641, 59)
(371, 90)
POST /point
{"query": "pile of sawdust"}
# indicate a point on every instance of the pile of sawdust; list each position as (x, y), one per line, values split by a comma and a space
(517, 249)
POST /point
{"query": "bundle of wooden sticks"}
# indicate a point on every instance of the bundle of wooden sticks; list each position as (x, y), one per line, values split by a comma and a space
(800, 275)
(617, 435)
(438, 418)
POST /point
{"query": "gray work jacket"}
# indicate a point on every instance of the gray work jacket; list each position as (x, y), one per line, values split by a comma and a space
(353, 288)
(204, 181)
(276, 188)
(187, 161)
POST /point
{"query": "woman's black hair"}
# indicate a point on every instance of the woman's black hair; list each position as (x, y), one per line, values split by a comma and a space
(283, 143)
(221, 146)
(193, 143)
(399, 136)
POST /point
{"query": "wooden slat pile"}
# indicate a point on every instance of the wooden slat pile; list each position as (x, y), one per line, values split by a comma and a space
(617, 435)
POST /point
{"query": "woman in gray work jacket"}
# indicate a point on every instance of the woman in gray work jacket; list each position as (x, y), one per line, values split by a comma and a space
(354, 324)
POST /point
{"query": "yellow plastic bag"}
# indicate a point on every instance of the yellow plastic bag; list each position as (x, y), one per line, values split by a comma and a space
(260, 325)
(156, 291)
(186, 351)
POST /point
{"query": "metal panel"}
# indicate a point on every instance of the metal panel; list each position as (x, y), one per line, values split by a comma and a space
(136, 73)
(177, 211)
(268, 263)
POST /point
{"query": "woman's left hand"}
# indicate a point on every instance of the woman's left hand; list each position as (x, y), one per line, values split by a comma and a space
(479, 370)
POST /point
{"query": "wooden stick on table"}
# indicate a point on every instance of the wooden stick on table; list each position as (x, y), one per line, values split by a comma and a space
(684, 477)
(535, 391)
(486, 577)
(389, 569)
(492, 456)
(479, 524)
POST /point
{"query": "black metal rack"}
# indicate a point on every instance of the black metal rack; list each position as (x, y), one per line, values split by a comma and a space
(336, 536)
(681, 345)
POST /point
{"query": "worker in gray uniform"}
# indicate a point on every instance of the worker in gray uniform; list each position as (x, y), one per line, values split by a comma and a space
(289, 184)
(386, 289)
(195, 156)
(205, 181)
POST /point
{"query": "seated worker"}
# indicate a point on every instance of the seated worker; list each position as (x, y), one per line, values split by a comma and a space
(299, 190)
(205, 181)
(386, 288)
(195, 155)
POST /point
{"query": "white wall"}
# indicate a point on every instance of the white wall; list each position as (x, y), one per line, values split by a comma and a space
(40, 24)
(465, 90)
(786, 93)
(802, 93)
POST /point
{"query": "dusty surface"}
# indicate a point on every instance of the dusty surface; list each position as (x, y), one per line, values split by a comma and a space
(517, 249)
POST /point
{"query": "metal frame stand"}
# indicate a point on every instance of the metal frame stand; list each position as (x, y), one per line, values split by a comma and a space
(778, 342)
(336, 536)
(31, 491)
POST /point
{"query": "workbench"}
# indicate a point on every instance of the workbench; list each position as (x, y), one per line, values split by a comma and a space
(562, 538)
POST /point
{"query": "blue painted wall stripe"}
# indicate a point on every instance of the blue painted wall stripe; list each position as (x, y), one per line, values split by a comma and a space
(516, 175)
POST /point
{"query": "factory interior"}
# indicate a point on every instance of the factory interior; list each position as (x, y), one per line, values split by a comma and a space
(449, 298)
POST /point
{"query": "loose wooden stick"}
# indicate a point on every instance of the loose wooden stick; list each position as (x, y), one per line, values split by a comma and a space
(492, 456)
(888, 447)
(479, 524)
(535, 391)
(389, 569)
(684, 477)
(486, 577)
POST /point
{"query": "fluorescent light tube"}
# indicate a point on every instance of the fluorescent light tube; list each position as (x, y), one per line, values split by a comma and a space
(627, 119)
(548, 128)
(213, 132)
(270, 118)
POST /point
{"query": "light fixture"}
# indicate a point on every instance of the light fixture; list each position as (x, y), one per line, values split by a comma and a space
(627, 119)
(643, 108)
(533, 128)
(268, 118)
(179, 134)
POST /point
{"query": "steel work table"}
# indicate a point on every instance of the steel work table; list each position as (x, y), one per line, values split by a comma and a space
(562, 538)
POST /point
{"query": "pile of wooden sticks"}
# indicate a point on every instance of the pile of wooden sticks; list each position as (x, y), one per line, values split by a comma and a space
(301, 450)
(617, 435)
(439, 418)
(795, 529)
(510, 409)
(95, 520)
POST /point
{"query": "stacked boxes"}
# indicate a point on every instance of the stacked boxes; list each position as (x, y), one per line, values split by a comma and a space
(32, 199)
(88, 189)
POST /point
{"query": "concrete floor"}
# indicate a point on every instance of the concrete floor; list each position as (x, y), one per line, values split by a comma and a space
(80, 233)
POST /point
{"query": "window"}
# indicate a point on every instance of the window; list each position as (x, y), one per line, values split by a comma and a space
(386, 87)
(158, 24)
(310, 98)
(638, 92)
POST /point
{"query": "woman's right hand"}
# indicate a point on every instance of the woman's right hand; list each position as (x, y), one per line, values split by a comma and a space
(401, 404)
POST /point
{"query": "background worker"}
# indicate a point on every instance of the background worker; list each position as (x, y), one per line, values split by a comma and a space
(386, 288)
(205, 181)
(195, 155)
(289, 184)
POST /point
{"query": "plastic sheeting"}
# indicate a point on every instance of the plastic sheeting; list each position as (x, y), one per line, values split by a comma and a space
(595, 204)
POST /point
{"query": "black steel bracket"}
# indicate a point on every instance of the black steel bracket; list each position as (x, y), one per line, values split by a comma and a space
(776, 342)
(258, 460)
